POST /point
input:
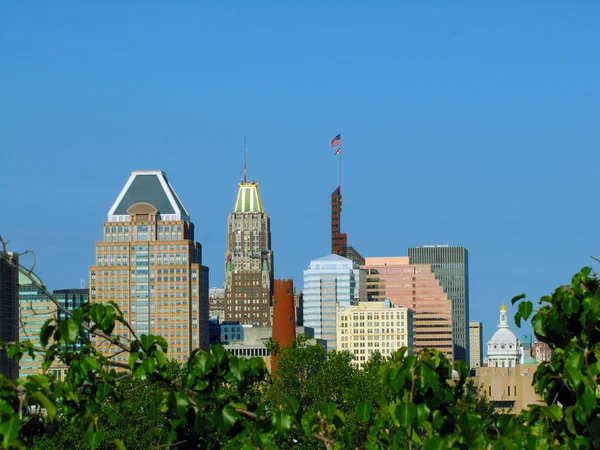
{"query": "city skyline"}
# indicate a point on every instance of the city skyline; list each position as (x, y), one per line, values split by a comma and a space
(482, 105)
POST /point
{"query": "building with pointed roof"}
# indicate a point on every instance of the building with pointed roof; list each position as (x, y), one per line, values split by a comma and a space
(504, 347)
(150, 265)
(248, 260)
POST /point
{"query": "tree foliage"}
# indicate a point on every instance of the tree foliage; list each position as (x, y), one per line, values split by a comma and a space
(216, 400)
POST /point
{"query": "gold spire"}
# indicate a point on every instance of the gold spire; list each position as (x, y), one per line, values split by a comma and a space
(503, 307)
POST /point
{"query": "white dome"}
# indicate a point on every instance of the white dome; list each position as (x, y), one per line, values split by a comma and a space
(503, 336)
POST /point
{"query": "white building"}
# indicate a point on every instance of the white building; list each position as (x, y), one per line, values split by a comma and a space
(330, 283)
(370, 327)
(504, 347)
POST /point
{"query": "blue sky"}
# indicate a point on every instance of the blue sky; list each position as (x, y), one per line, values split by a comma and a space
(472, 124)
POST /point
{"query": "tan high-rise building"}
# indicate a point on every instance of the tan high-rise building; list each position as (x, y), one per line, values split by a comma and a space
(150, 265)
(413, 286)
(248, 260)
(370, 327)
(476, 344)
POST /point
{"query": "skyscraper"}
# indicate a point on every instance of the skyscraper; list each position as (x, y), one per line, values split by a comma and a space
(248, 260)
(476, 344)
(330, 283)
(9, 310)
(413, 286)
(34, 309)
(150, 265)
(451, 267)
(71, 299)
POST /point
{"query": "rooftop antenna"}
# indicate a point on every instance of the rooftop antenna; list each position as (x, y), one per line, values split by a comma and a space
(245, 157)
(82, 283)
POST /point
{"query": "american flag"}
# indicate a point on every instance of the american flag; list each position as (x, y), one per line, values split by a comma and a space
(338, 151)
(336, 140)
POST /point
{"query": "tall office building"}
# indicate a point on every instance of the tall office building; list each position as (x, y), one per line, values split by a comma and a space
(34, 309)
(476, 344)
(150, 265)
(284, 316)
(71, 299)
(369, 327)
(9, 310)
(451, 267)
(330, 283)
(248, 260)
(339, 240)
(413, 286)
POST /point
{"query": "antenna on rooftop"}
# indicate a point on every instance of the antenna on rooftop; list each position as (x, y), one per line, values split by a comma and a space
(245, 157)
(82, 283)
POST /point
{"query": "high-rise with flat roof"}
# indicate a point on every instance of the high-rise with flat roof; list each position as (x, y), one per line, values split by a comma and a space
(150, 265)
(413, 286)
(9, 310)
(476, 344)
(330, 283)
(451, 266)
(248, 260)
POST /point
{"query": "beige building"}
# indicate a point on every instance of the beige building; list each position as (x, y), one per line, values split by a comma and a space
(370, 327)
(476, 344)
(150, 265)
(509, 388)
(413, 286)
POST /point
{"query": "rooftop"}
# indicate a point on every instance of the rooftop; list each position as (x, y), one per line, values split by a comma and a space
(152, 187)
(248, 198)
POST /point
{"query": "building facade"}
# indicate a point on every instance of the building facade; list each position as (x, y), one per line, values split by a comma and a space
(370, 327)
(330, 283)
(476, 344)
(503, 349)
(35, 308)
(71, 299)
(248, 260)
(510, 388)
(451, 266)
(541, 351)
(9, 310)
(413, 286)
(216, 304)
(150, 265)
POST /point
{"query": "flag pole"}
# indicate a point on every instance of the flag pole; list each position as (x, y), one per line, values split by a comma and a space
(340, 169)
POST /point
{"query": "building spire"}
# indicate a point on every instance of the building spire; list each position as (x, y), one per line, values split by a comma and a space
(245, 158)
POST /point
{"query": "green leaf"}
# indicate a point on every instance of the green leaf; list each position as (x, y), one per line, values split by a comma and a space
(119, 445)
(554, 412)
(570, 305)
(423, 412)
(69, 331)
(46, 331)
(161, 358)
(517, 298)
(149, 365)
(406, 413)
(178, 403)
(226, 418)
(435, 443)
(525, 309)
(327, 409)
(539, 325)
(93, 363)
(573, 366)
(93, 439)
(204, 363)
(282, 422)
(10, 430)
(46, 403)
(133, 357)
(307, 422)
(363, 411)
(293, 403)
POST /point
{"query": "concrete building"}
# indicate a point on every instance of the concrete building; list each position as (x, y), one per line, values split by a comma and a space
(476, 344)
(370, 327)
(298, 301)
(451, 267)
(330, 283)
(248, 260)
(413, 286)
(9, 310)
(150, 265)
(504, 349)
(509, 388)
(35, 308)
(541, 351)
(216, 304)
